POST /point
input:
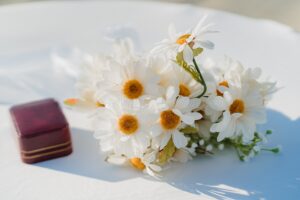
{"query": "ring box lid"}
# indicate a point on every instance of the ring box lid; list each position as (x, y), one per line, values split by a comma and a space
(38, 117)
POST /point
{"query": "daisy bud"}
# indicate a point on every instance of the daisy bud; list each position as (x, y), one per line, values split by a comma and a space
(209, 147)
(256, 148)
(221, 147)
(201, 142)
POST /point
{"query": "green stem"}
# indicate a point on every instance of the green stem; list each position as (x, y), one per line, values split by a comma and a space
(202, 79)
(238, 153)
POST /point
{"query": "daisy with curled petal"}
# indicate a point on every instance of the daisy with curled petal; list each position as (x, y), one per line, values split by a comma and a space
(123, 127)
(145, 162)
(174, 111)
(251, 76)
(131, 78)
(89, 76)
(186, 42)
(243, 110)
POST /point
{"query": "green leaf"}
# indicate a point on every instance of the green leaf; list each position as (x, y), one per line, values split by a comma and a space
(166, 153)
(189, 68)
(189, 130)
(197, 52)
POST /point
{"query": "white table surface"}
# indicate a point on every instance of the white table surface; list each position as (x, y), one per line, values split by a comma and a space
(30, 34)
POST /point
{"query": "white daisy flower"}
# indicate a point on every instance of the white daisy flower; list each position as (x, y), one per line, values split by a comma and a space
(174, 111)
(123, 127)
(130, 78)
(178, 77)
(185, 42)
(243, 109)
(225, 74)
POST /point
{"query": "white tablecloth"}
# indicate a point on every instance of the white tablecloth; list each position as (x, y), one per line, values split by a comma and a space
(32, 34)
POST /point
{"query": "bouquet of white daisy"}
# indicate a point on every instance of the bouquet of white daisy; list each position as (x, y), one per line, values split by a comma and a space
(168, 105)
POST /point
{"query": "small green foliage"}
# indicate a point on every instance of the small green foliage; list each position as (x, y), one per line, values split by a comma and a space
(189, 130)
(245, 150)
(197, 51)
(166, 153)
(274, 150)
(269, 132)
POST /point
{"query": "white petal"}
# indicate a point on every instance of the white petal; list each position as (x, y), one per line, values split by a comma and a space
(142, 141)
(188, 54)
(165, 139)
(179, 139)
(207, 44)
(182, 102)
(199, 25)
(155, 130)
(117, 160)
(177, 112)
(217, 103)
(228, 132)
(188, 119)
(194, 104)
(227, 97)
(196, 115)
(171, 95)
(150, 172)
(218, 127)
(155, 167)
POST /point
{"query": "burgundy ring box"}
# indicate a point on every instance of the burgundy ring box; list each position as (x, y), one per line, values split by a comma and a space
(42, 130)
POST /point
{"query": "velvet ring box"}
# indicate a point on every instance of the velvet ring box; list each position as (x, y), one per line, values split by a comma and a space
(42, 130)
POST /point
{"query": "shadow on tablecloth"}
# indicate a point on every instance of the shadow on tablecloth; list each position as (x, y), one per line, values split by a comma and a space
(222, 176)
(87, 160)
(267, 176)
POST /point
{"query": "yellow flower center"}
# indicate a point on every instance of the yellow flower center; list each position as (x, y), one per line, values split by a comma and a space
(169, 120)
(137, 163)
(133, 89)
(128, 124)
(182, 39)
(184, 90)
(223, 83)
(237, 106)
